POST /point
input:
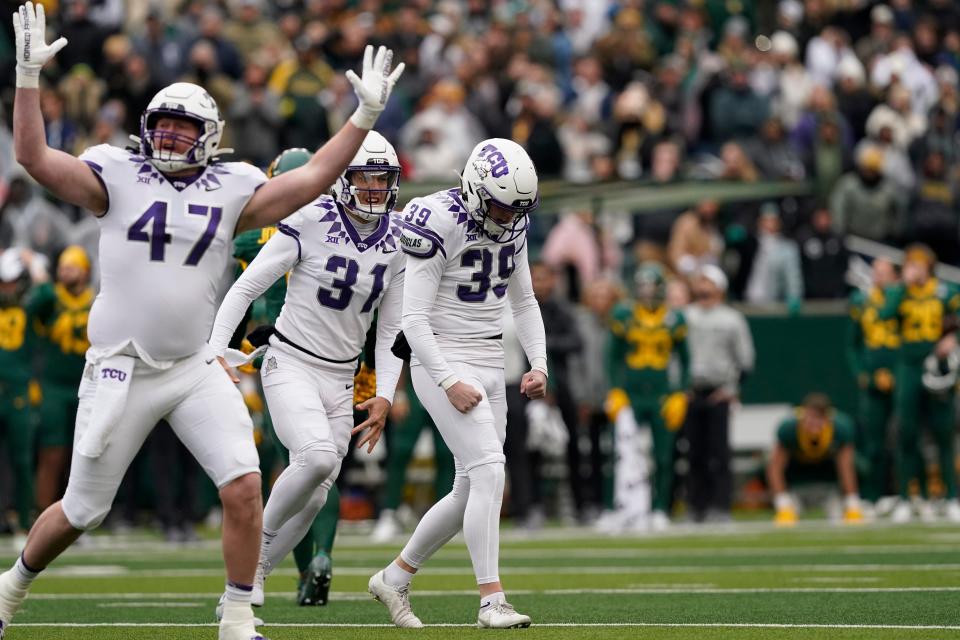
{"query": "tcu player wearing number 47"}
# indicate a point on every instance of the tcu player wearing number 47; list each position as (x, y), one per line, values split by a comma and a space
(466, 252)
(344, 259)
(167, 212)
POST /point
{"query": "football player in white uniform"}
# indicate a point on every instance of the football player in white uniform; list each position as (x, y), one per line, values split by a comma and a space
(167, 213)
(466, 253)
(344, 259)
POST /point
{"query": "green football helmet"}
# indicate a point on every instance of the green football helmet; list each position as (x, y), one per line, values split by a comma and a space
(650, 284)
(287, 160)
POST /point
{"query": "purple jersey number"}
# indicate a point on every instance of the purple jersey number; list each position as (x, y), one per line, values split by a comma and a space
(158, 238)
(339, 298)
(477, 291)
(417, 215)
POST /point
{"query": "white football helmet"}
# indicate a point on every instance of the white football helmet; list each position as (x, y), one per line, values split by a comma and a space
(188, 101)
(13, 276)
(500, 171)
(376, 158)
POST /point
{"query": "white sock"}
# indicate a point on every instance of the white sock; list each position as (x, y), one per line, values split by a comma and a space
(439, 524)
(23, 575)
(396, 576)
(239, 593)
(481, 520)
(493, 599)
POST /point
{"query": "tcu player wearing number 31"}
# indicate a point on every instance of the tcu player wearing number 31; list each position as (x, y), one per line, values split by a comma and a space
(467, 252)
(343, 255)
(167, 211)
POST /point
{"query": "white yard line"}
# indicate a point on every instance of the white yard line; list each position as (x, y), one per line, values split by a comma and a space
(356, 595)
(319, 625)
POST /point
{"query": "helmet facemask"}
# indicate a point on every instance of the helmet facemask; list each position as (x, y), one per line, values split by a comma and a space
(153, 142)
(502, 232)
(369, 191)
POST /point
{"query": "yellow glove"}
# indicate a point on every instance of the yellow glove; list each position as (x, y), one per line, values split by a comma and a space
(786, 517)
(674, 410)
(364, 385)
(35, 393)
(617, 401)
(853, 516)
(883, 380)
(852, 512)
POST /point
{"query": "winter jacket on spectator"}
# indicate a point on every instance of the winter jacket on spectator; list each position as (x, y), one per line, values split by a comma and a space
(824, 258)
(866, 204)
(735, 110)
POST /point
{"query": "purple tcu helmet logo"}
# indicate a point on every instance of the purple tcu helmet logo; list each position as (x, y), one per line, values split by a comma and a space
(113, 374)
(497, 163)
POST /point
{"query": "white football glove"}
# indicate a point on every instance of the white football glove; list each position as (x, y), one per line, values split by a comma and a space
(374, 86)
(30, 26)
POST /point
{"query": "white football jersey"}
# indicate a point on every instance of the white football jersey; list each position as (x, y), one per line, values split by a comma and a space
(165, 244)
(338, 279)
(472, 291)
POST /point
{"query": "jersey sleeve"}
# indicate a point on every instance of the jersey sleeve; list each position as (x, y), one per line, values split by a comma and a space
(112, 166)
(41, 302)
(388, 325)
(843, 429)
(526, 313)
(422, 236)
(787, 433)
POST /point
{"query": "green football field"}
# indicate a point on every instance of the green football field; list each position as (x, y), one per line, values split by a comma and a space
(745, 581)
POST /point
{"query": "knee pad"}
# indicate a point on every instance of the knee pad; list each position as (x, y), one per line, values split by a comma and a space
(319, 463)
(488, 477)
(84, 514)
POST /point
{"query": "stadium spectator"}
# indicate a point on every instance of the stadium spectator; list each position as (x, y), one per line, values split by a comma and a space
(829, 159)
(735, 110)
(161, 47)
(35, 223)
(824, 257)
(442, 134)
(211, 23)
(721, 354)
(866, 204)
(775, 274)
(252, 32)
(933, 218)
(853, 98)
(61, 132)
(695, 239)
(773, 153)
(793, 82)
(254, 117)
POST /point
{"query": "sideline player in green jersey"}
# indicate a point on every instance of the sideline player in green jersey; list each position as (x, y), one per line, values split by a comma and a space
(313, 554)
(60, 311)
(926, 308)
(814, 445)
(16, 371)
(872, 354)
(646, 334)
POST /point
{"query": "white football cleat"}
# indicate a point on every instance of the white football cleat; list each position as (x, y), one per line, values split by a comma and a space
(396, 600)
(238, 623)
(902, 513)
(659, 521)
(257, 597)
(257, 622)
(952, 511)
(926, 511)
(11, 597)
(502, 616)
(386, 528)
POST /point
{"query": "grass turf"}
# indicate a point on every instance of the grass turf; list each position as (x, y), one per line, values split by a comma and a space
(744, 582)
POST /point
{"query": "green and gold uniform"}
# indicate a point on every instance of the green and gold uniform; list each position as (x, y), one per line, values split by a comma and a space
(872, 353)
(813, 460)
(921, 311)
(16, 413)
(60, 320)
(642, 343)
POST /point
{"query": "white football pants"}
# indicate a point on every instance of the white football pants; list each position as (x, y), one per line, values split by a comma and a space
(202, 406)
(476, 441)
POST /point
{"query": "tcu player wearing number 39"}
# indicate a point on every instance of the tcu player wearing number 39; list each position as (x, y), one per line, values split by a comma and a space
(466, 253)
(344, 259)
(167, 212)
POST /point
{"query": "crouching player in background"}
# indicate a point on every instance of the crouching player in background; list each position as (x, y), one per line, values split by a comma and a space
(814, 446)
(645, 335)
